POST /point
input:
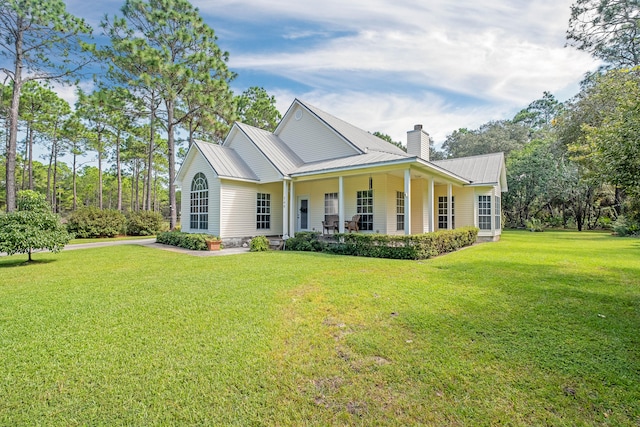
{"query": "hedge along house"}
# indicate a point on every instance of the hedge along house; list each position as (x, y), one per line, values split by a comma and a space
(315, 166)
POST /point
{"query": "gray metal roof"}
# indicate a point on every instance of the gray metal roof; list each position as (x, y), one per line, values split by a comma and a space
(225, 161)
(483, 169)
(274, 149)
(361, 139)
(367, 159)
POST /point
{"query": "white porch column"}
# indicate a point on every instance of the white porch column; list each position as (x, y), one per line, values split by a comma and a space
(341, 204)
(449, 207)
(407, 201)
(285, 207)
(292, 210)
(494, 208)
(430, 203)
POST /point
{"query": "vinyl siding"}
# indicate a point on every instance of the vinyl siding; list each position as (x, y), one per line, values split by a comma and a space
(265, 171)
(464, 202)
(312, 140)
(238, 209)
(418, 205)
(315, 191)
(199, 164)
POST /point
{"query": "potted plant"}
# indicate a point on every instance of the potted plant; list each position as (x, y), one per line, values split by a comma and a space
(213, 243)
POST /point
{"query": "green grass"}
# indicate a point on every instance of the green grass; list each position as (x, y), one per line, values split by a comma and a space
(108, 239)
(538, 329)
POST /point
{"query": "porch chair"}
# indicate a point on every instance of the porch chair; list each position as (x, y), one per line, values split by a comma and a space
(353, 224)
(330, 223)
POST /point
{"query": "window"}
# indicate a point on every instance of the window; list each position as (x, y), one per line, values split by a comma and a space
(263, 212)
(199, 213)
(364, 208)
(484, 212)
(498, 213)
(399, 210)
(330, 204)
(443, 215)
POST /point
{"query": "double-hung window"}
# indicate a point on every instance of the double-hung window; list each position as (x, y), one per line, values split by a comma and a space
(263, 211)
(399, 210)
(484, 212)
(443, 212)
(364, 208)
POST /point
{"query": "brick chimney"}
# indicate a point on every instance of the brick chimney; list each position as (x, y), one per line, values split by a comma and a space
(418, 142)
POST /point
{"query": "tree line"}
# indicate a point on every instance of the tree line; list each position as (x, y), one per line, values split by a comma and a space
(162, 76)
(576, 163)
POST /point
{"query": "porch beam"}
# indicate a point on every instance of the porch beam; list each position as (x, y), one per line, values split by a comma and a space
(407, 201)
(341, 204)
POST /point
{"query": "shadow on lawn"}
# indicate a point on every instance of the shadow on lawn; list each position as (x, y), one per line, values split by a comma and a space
(12, 262)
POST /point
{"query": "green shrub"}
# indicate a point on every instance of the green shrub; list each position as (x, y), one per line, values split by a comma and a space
(144, 223)
(416, 246)
(259, 244)
(196, 242)
(534, 224)
(305, 241)
(93, 222)
(626, 227)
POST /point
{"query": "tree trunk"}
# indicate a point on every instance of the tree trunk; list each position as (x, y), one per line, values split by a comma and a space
(75, 192)
(172, 165)
(119, 172)
(151, 147)
(99, 171)
(49, 198)
(10, 178)
(30, 158)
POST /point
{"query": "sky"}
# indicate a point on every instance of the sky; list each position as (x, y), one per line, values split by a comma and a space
(386, 65)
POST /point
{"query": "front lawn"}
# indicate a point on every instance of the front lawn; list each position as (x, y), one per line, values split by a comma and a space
(538, 329)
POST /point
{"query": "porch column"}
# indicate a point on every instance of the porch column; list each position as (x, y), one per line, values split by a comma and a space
(292, 210)
(407, 201)
(494, 208)
(430, 203)
(341, 204)
(285, 207)
(449, 207)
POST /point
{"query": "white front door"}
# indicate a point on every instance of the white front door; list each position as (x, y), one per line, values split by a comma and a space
(303, 213)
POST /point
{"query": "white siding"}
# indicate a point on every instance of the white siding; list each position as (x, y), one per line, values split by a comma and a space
(312, 140)
(254, 158)
(315, 191)
(418, 205)
(238, 209)
(199, 164)
(463, 204)
(394, 184)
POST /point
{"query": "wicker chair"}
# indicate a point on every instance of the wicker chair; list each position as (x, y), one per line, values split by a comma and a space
(330, 223)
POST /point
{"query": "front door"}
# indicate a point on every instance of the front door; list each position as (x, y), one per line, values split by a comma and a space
(303, 213)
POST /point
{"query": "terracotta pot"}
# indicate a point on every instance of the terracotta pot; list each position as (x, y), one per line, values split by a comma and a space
(213, 245)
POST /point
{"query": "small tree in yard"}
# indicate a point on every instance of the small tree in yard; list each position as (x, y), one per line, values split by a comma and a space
(31, 226)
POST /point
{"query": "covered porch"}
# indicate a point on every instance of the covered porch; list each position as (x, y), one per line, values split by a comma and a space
(411, 199)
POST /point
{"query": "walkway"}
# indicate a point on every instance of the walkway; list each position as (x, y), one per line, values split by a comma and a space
(152, 244)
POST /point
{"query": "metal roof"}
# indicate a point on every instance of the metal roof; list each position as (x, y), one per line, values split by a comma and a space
(273, 148)
(225, 161)
(370, 158)
(483, 169)
(361, 139)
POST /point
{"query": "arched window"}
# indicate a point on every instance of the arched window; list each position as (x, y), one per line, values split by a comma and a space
(199, 202)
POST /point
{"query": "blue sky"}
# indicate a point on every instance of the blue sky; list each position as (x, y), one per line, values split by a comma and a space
(386, 65)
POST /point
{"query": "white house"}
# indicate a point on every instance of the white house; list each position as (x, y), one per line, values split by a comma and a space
(315, 167)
